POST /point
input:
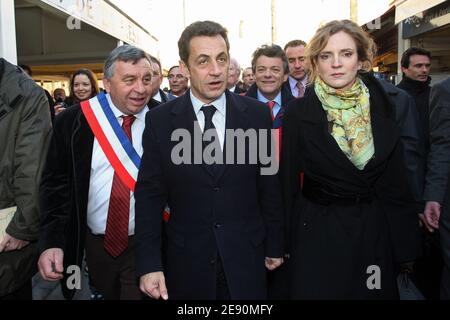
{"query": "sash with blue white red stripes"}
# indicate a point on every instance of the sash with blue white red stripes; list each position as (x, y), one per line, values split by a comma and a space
(112, 139)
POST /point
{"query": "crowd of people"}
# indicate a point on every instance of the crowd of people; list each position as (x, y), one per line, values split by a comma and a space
(361, 195)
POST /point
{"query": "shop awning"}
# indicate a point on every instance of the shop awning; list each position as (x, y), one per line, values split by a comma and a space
(407, 8)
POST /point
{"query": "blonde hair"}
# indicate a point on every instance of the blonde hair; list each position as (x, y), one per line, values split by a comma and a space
(365, 46)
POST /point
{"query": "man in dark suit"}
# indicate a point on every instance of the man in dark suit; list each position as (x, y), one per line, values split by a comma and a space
(157, 78)
(270, 67)
(298, 69)
(416, 66)
(234, 71)
(86, 193)
(178, 82)
(437, 191)
(225, 223)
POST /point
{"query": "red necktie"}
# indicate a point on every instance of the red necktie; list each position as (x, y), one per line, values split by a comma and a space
(116, 234)
(271, 104)
(301, 89)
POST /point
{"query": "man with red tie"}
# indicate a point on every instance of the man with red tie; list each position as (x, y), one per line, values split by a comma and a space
(298, 71)
(87, 189)
(270, 67)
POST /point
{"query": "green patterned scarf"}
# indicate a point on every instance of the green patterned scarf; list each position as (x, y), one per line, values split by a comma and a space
(349, 112)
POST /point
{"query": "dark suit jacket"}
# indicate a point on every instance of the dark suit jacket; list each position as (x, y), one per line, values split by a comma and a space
(235, 214)
(437, 178)
(238, 90)
(438, 174)
(286, 97)
(164, 97)
(420, 92)
(171, 96)
(412, 138)
(65, 187)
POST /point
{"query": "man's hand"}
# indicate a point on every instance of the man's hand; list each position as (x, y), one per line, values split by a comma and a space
(10, 243)
(424, 223)
(59, 107)
(50, 264)
(432, 212)
(273, 263)
(154, 285)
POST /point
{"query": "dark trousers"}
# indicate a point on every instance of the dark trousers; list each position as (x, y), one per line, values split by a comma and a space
(278, 282)
(23, 293)
(444, 230)
(114, 278)
(222, 292)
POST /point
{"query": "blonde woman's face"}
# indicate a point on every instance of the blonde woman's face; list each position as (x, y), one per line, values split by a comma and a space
(337, 63)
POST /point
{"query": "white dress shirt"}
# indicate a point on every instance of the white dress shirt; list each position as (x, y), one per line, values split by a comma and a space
(218, 117)
(102, 174)
(157, 97)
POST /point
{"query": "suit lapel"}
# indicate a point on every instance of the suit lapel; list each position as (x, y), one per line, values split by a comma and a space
(82, 145)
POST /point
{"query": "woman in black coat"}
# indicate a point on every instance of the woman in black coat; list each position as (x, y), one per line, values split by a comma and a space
(354, 219)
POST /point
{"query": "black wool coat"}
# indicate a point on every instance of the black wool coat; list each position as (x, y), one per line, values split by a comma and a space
(333, 246)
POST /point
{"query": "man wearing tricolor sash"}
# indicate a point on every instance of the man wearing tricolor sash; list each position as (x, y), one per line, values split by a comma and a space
(87, 190)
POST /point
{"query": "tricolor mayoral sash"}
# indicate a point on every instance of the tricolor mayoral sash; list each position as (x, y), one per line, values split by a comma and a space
(112, 139)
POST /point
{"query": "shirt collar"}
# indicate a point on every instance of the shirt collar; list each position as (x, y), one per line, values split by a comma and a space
(117, 113)
(277, 99)
(293, 82)
(219, 103)
(157, 96)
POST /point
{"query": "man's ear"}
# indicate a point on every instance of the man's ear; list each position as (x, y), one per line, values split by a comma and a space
(184, 68)
(107, 84)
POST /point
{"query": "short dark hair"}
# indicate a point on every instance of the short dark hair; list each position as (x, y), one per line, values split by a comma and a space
(404, 62)
(92, 79)
(197, 29)
(294, 43)
(271, 51)
(26, 68)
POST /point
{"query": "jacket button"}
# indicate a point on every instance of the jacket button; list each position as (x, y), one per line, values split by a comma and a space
(216, 189)
(305, 224)
(217, 225)
(212, 262)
